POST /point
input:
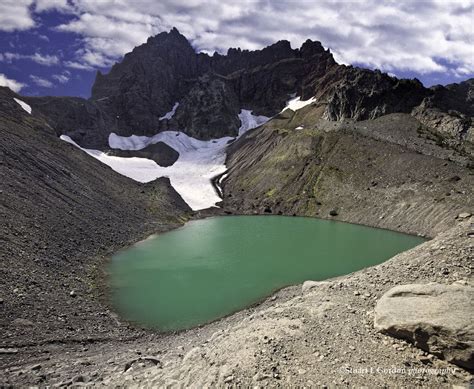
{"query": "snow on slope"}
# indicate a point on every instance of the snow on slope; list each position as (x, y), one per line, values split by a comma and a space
(171, 113)
(23, 105)
(249, 121)
(296, 103)
(199, 161)
(138, 169)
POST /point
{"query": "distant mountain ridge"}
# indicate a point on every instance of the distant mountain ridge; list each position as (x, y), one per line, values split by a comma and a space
(211, 90)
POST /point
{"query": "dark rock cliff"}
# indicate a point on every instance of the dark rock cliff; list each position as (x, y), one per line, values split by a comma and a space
(211, 90)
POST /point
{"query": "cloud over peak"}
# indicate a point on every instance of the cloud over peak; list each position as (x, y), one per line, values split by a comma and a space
(419, 36)
(402, 37)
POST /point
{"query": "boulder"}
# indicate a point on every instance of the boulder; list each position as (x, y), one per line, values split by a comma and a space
(309, 285)
(435, 317)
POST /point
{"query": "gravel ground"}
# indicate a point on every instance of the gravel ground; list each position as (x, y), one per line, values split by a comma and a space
(321, 336)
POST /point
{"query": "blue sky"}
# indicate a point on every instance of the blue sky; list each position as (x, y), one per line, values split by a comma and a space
(55, 47)
(47, 73)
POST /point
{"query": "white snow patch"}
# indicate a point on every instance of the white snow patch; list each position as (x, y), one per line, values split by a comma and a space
(198, 162)
(222, 178)
(171, 113)
(249, 121)
(299, 128)
(23, 105)
(138, 169)
(296, 103)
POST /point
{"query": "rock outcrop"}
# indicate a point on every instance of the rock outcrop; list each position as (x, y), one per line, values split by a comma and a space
(435, 317)
(79, 118)
(137, 93)
(159, 152)
(211, 90)
(447, 116)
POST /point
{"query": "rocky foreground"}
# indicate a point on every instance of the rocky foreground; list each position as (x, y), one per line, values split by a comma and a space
(321, 333)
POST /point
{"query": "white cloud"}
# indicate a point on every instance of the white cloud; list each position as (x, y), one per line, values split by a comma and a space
(43, 82)
(12, 84)
(46, 60)
(423, 36)
(48, 5)
(416, 36)
(107, 39)
(77, 65)
(15, 15)
(61, 78)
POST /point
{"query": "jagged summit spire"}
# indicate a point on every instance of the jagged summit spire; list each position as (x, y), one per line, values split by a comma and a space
(310, 48)
(171, 35)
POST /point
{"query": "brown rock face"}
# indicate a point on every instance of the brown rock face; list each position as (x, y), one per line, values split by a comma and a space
(447, 115)
(138, 91)
(209, 110)
(435, 317)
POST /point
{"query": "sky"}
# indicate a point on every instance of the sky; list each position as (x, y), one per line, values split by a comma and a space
(55, 47)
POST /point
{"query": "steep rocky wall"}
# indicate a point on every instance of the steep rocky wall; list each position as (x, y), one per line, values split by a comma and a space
(79, 118)
(211, 90)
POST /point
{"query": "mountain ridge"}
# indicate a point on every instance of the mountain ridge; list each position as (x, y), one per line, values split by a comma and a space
(211, 90)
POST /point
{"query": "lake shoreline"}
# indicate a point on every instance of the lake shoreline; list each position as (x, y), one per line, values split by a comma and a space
(125, 333)
(117, 350)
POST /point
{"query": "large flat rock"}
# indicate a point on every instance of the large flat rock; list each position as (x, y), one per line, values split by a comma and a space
(435, 317)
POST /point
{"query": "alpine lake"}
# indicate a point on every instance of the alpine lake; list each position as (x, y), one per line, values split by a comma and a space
(213, 267)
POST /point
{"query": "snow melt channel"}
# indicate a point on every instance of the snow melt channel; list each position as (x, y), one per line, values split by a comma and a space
(170, 114)
(199, 161)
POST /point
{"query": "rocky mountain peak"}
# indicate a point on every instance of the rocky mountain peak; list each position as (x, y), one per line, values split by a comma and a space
(137, 95)
(172, 37)
(310, 48)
